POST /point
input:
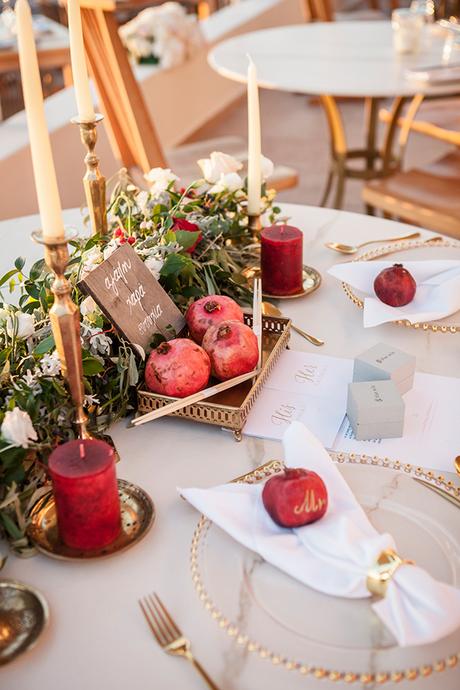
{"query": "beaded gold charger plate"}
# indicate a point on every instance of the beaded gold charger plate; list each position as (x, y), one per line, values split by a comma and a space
(414, 251)
(137, 517)
(270, 614)
(23, 616)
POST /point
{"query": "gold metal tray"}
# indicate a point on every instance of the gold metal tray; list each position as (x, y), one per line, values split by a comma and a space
(137, 517)
(24, 615)
(231, 408)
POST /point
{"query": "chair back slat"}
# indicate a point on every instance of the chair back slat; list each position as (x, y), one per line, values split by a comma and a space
(131, 129)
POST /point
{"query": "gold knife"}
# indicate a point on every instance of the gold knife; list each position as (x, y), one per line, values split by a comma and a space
(442, 492)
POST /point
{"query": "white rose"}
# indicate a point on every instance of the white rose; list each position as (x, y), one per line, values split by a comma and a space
(17, 428)
(88, 306)
(51, 364)
(171, 51)
(267, 167)
(20, 324)
(110, 248)
(91, 259)
(154, 265)
(218, 164)
(229, 182)
(160, 179)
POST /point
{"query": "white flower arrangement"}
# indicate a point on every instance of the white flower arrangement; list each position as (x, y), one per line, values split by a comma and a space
(17, 428)
(165, 34)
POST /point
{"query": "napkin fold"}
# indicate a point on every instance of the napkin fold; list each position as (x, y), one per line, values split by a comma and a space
(334, 554)
(437, 296)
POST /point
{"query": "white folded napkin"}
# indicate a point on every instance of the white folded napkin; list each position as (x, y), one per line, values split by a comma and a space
(332, 555)
(437, 296)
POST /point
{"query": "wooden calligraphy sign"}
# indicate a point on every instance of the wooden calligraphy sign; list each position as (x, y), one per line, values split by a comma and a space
(132, 299)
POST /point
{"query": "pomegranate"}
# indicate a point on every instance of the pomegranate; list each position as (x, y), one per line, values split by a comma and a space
(177, 368)
(395, 286)
(295, 497)
(209, 311)
(232, 348)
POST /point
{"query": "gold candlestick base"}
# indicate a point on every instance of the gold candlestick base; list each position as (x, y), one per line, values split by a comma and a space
(255, 226)
(93, 180)
(65, 321)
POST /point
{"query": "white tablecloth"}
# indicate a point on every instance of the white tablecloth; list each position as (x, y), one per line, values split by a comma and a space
(97, 638)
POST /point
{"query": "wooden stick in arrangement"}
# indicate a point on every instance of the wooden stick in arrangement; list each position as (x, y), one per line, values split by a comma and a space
(191, 399)
(257, 317)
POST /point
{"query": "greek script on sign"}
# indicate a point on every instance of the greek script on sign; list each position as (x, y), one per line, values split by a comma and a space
(119, 273)
(132, 299)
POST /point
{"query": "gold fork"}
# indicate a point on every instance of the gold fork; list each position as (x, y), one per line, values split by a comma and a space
(168, 635)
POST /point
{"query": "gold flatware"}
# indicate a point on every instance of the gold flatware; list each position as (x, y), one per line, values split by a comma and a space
(352, 249)
(269, 309)
(168, 635)
(441, 492)
(457, 464)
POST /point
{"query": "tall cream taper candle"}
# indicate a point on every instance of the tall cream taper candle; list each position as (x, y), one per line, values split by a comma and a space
(254, 143)
(45, 175)
(78, 58)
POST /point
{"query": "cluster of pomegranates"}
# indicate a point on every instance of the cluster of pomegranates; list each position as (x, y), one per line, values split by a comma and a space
(220, 344)
(395, 286)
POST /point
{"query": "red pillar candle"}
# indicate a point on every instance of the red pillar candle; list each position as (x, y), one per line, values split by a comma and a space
(281, 260)
(86, 493)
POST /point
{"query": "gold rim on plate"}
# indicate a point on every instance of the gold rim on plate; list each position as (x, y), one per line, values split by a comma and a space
(242, 639)
(137, 517)
(401, 246)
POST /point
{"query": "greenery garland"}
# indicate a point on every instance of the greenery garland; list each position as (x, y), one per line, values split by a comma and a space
(195, 241)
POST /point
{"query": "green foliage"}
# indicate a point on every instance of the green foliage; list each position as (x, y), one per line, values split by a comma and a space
(30, 376)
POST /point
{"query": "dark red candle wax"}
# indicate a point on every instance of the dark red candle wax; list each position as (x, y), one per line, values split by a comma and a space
(281, 260)
(86, 493)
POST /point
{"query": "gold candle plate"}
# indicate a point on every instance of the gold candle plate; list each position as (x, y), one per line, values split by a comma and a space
(24, 615)
(230, 409)
(137, 517)
(311, 280)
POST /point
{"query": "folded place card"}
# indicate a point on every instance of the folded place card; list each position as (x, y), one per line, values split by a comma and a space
(384, 362)
(375, 409)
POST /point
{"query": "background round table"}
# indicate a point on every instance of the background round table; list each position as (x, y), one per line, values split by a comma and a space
(97, 638)
(352, 59)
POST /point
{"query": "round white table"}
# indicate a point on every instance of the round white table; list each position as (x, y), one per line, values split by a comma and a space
(97, 638)
(352, 59)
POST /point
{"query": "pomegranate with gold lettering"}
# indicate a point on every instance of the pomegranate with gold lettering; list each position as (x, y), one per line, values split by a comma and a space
(295, 497)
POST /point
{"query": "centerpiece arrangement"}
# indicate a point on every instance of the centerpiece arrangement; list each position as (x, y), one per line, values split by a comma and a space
(195, 241)
(165, 35)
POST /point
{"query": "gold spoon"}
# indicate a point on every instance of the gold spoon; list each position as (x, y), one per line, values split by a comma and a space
(457, 464)
(269, 309)
(350, 249)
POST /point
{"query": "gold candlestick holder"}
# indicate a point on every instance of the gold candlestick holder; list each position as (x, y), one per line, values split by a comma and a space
(93, 180)
(65, 321)
(255, 225)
